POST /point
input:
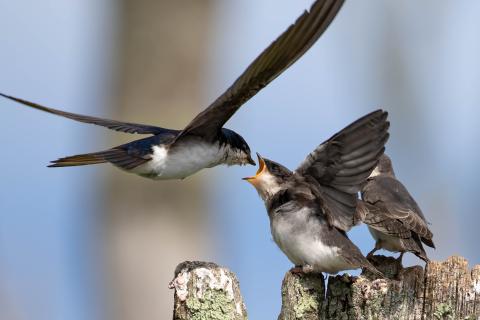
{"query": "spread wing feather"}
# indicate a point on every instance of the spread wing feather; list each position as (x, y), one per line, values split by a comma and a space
(126, 127)
(282, 53)
(342, 163)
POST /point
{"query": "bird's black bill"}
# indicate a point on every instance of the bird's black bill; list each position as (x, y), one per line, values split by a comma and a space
(251, 161)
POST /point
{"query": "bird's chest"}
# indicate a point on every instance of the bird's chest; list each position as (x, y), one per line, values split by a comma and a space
(299, 236)
(291, 237)
(182, 161)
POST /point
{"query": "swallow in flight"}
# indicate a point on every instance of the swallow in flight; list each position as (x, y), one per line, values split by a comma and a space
(204, 143)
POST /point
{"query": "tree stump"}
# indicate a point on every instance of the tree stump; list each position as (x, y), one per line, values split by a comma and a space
(205, 291)
(303, 296)
(444, 290)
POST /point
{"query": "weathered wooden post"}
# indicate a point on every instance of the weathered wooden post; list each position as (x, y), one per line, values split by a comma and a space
(204, 290)
(444, 290)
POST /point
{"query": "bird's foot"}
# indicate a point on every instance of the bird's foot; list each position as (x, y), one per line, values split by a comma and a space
(375, 249)
(307, 269)
(297, 270)
(399, 259)
(347, 278)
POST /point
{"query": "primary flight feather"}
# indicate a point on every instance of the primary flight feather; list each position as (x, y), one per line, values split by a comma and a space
(204, 143)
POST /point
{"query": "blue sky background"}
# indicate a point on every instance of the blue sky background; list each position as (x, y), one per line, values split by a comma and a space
(417, 60)
(51, 51)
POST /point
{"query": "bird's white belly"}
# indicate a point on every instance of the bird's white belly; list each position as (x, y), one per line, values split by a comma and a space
(387, 242)
(304, 247)
(182, 163)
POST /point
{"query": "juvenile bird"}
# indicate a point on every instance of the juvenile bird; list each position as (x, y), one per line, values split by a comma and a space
(204, 143)
(310, 209)
(392, 215)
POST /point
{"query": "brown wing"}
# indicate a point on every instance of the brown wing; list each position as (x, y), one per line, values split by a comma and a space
(343, 162)
(393, 198)
(283, 52)
(374, 217)
(126, 127)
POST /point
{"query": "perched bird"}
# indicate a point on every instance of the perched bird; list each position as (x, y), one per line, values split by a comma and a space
(311, 208)
(393, 217)
(203, 143)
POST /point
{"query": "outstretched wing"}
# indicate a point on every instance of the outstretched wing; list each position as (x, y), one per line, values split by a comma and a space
(126, 127)
(342, 163)
(283, 52)
(391, 195)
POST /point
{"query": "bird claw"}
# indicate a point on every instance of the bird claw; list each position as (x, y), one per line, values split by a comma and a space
(296, 270)
(302, 269)
(307, 269)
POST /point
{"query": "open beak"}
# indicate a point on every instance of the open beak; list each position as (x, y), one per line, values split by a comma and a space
(261, 168)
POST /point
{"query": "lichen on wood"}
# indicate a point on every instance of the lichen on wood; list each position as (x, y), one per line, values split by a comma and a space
(452, 291)
(395, 297)
(302, 296)
(206, 291)
(444, 290)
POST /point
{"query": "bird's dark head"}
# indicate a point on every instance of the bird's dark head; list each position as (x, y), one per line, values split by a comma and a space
(270, 177)
(384, 167)
(238, 150)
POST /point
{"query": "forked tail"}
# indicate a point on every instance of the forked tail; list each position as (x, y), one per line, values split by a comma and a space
(117, 156)
(82, 159)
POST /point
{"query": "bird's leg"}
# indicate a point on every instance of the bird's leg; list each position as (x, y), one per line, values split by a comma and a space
(377, 247)
(302, 269)
(399, 259)
(346, 278)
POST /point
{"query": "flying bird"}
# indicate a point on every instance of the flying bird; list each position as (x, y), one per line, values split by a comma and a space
(204, 143)
(310, 209)
(393, 217)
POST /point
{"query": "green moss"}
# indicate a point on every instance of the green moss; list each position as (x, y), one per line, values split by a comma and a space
(215, 305)
(339, 289)
(309, 297)
(444, 311)
(307, 303)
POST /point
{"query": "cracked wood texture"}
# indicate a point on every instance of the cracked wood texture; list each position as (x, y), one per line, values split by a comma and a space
(444, 290)
(204, 291)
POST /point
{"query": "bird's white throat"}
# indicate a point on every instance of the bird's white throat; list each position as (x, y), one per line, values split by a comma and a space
(267, 185)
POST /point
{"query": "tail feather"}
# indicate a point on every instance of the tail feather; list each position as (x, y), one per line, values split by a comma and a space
(117, 156)
(80, 160)
(428, 242)
(370, 268)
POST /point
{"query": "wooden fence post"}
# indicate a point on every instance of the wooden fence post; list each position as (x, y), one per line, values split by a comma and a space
(444, 290)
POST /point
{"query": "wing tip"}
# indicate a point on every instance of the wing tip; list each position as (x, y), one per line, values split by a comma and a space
(6, 96)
